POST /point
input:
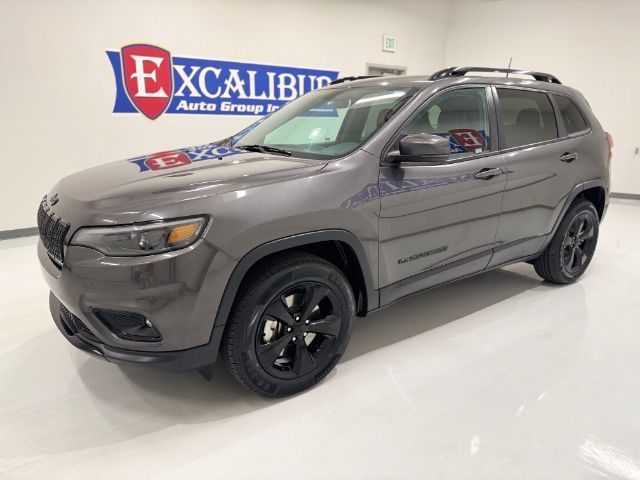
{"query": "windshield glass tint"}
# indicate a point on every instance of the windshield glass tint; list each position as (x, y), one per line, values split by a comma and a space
(327, 123)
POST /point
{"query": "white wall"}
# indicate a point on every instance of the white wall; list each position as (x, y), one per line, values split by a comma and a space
(58, 89)
(593, 46)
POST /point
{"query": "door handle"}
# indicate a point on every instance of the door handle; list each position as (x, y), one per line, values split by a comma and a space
(487, 173)
(568, 157)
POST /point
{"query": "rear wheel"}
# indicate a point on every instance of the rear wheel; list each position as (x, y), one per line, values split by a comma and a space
(572, 247)
(290, 325)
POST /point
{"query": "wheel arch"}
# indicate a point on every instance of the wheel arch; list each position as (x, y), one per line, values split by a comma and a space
(595, 194)
(592, 190)
(340, 247)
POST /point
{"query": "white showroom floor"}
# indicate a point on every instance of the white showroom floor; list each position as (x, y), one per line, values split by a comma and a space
(500, 376)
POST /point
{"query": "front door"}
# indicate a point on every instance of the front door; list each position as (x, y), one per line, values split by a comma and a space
(438, 220)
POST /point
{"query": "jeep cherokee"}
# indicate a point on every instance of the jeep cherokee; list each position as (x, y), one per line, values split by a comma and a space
(264, 246)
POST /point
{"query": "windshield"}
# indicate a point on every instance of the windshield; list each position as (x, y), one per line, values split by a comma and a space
(326, 123)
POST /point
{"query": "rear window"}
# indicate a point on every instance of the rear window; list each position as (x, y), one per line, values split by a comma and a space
(527, 117)
(573, 119)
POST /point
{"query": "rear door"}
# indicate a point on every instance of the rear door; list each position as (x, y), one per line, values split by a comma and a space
(542, 170)
(445, 213)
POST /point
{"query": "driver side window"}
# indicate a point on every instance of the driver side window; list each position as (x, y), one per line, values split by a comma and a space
(461, 116)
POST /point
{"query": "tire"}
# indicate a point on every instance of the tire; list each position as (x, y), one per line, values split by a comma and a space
(289, 326)
(572, 247)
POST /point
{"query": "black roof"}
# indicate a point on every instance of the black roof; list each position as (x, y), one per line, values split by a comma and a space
(463, 71)
(455, 75)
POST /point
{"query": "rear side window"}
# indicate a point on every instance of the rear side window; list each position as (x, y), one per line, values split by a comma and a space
(573, 119)
(527, 117)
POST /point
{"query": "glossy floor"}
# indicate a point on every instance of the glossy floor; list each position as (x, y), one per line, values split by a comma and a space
(500, 376)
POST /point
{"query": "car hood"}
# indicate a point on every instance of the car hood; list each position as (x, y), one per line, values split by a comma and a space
(124, 191)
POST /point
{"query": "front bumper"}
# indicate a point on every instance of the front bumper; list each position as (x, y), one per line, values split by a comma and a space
(178, 292)
(175, 361)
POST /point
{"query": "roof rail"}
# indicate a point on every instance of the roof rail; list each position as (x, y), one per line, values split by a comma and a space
(462, 71)
(351, 79)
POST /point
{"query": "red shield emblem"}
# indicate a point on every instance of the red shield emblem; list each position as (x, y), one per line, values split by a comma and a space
(469, 139)
(148, 78)
(164, 160)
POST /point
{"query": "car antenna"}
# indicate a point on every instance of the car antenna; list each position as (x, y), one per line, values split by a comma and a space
(509, 67)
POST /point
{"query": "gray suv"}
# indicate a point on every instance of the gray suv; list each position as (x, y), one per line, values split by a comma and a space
(263, 247)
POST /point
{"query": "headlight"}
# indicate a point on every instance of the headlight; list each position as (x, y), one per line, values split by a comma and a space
(141, 239)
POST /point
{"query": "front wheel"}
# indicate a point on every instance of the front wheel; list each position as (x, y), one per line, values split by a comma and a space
(572, 247)
(290, 325)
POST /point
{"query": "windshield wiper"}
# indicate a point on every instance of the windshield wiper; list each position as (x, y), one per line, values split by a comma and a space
(225, 142)
(265, 149)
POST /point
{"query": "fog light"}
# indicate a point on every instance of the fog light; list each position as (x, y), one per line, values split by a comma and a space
(129, 325)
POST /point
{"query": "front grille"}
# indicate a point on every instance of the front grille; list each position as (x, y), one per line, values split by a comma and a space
(75, 324)
(52, 232)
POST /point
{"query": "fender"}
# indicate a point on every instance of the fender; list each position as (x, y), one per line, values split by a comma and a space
(576, 192)
(286, 243)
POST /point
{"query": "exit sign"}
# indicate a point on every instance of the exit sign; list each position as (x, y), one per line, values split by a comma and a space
(389, 43)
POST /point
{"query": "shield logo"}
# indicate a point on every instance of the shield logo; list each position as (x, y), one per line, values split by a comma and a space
(164, 160)
(469, 139)
(147, 78)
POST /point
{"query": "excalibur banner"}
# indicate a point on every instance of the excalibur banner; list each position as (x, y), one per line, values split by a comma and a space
(151, 81)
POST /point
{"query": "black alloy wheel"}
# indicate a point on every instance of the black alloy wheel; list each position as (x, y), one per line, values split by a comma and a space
(578, 244)
(298, 329)
(290, 325)
(573, 244)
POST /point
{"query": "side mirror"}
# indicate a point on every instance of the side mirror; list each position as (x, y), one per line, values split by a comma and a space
(421, 144)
